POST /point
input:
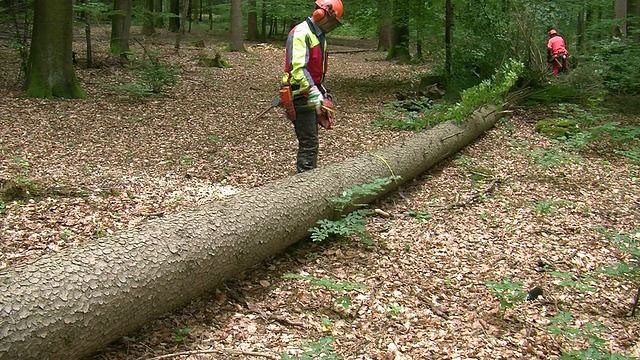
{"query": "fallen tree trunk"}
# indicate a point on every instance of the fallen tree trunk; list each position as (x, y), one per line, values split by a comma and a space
(73, 303)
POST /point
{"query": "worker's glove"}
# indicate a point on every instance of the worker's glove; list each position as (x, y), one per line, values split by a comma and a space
(316, 98)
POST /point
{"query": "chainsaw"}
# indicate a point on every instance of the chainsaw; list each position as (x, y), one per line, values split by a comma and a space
(325, 118)
(285, 100)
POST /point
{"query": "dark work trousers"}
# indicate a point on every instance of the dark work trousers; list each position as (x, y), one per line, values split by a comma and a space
(306, 127)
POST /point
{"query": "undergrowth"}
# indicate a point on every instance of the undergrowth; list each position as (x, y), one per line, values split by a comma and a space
(354, 222)
(490, 91)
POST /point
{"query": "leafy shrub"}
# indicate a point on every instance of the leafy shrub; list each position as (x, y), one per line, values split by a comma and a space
(153, 77)
(583, 85)
(584, 339)
(619, 60)
(507, 291)
(354, 222)
(630, 269)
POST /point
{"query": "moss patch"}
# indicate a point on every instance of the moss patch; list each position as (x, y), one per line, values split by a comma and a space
(557, 127)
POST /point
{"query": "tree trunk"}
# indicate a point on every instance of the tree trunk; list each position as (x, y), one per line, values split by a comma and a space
(210, 13)
(620, 11)
(87, 32)
(384, 26)
(158, 10)
(400, 33)
(264, 21)
(236, 26)
(252, 18)
(634, 22)
(148, 25)
(50, 71)
(580, 34)
(73, 303)
(174, 20)
(448, 29)
(120, 27)
(183, 24)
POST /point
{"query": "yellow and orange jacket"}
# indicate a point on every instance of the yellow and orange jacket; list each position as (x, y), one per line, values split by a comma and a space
(305, 57)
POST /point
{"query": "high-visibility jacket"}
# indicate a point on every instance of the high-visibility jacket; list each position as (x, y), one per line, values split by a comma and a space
(305, 57)
(556, 45)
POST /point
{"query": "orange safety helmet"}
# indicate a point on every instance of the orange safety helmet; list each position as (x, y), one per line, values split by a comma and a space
(333, 8)
(553, 32)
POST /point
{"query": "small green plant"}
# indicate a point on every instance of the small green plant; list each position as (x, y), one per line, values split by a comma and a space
(328, 284)
(393, 309)
(354, 222)
(507, 291)
(320, 350)
(549, 206)
(21, 161)
(585, 337)
(186, 160)
(66, 234)
(552, 157)
(153, 77)
(420, 215)
(179, 335)
(213, 139)
(630, 269)
(574, 281)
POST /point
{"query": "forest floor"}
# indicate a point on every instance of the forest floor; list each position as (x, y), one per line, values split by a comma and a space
(114, 161)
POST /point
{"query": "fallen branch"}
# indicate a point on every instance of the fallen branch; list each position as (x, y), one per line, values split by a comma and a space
(215, 351)
(474, 197)
(350, 51)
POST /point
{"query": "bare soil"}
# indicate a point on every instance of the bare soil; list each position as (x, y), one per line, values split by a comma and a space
(113, 161)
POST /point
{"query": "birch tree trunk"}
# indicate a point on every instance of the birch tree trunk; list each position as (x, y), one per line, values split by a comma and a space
(73, 303)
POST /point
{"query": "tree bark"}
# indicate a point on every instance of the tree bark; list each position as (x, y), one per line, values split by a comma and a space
(121, 27)
(580, 34)
(183, 24)
(236, 26)
(252, 19)
(620, 13)
(73, 303)
(87, 32)
(148, 24)
(174, 20)
(448, 29)
(634, 19)
(50, 72)
(400, 33)
(158, 10)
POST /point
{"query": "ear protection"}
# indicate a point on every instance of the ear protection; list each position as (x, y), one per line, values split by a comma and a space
(320, 13)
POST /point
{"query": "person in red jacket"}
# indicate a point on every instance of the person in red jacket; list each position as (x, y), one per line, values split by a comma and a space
(557, 52)
(304, 71)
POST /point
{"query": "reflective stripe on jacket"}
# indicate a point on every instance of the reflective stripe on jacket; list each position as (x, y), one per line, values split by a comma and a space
(305, 57)
(556, 45)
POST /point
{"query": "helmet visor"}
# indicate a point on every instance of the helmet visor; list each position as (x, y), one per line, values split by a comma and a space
(328, 23)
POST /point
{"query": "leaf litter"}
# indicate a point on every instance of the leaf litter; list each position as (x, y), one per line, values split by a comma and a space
(111, 162)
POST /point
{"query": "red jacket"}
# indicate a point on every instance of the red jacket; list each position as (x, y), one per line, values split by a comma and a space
(556, 45)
